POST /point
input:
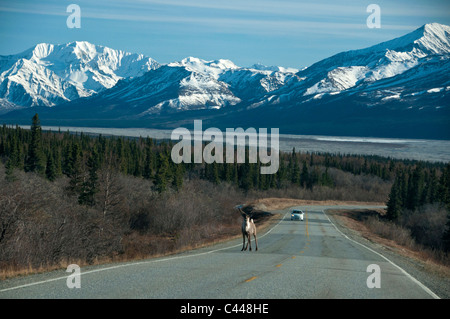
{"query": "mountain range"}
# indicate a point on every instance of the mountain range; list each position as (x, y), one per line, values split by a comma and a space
(48, 75)
(398, 88)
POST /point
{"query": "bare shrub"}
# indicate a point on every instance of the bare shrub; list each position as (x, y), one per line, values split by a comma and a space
(419, 231)
(195, 214)
(43, 226)
(427, 225)
(42, 221)
(360, 187)
(199, 203)
(390, 231)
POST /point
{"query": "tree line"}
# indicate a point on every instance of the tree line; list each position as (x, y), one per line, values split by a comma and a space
(416, 189)
(80, 156)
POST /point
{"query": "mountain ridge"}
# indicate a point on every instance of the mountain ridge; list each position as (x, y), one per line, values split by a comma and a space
(49, 74)
(391, 82)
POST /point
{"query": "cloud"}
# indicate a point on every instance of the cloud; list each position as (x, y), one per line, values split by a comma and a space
(126, 10)
(251, 17)
(285, 17)
(309, 9)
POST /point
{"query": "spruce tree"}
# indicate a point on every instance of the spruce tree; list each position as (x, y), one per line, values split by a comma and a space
(446, 235)
(280, 175)
(403, 187)
(36, 159)
(246, 180)
(235, 174)
(177, 181)
(415, 188)
(147, 173)
(161, 177)
(313, 178)
(67, 163)
(50, 171)
(394, 204)
(76, 169)
(433, 187)
(304, 176)
(444, 187)
(9, 173)
(295, 178)
(325, 179)
(228, 172)
(90, 186)
(214, 173)
(57, 161)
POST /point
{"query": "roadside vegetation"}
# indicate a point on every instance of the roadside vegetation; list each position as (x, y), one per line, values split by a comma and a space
(74, 198)
(419, 236)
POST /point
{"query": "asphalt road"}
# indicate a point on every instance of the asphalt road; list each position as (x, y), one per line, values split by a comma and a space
(296, 259)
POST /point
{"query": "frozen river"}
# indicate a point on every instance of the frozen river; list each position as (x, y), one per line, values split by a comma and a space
(426, 150)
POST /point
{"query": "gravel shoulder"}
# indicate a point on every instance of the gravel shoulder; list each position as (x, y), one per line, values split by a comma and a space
(436, 278)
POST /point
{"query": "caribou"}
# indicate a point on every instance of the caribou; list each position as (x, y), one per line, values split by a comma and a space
(248, 229)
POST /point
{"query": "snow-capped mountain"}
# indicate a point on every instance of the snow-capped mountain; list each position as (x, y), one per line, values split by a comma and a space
(47, 74)
(262, 67)
(229, 83)
(399, 87)
(382, 70)
(191, 84)
(408, 70)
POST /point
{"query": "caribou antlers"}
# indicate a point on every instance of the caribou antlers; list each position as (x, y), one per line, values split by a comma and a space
(248, 229)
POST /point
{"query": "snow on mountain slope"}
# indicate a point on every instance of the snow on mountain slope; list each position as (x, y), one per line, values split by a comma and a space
(339, 79)
(48, 74)
(192, 84)
(411, 71)
(419, 54)
(384, 60)
(212, 68)
(429, 39)
(202, 88)
(258, 76)
(395, 70)
(258, 66)
(168, 88)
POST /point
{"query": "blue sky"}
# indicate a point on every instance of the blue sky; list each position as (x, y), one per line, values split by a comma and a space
(290, 33)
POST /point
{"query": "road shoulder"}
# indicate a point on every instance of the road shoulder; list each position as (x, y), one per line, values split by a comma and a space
(436, 280)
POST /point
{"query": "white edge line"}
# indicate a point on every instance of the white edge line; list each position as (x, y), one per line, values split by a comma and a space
(135, 263)
(428, 290)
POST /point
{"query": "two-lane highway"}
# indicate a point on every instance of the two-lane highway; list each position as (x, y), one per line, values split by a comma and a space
(296, 259)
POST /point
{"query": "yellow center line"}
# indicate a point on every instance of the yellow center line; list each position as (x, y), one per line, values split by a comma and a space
(306, 218)
(279, 265)
(250, 279)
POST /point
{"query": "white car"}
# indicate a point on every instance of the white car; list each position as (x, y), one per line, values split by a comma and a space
(297, 214)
